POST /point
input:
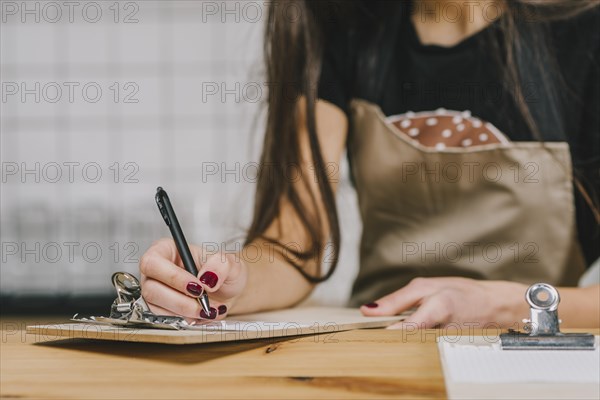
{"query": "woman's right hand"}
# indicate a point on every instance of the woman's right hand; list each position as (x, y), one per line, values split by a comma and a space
(170, 290)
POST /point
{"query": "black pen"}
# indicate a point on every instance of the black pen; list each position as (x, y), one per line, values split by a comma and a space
(168, 214)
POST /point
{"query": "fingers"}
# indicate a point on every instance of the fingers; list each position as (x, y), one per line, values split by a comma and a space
(158, 310)
(402, 299)
(166, 299)
(218, 270)
(433, 313)
(168, 286)
(159, 294)
(221, 310)
(155, 266)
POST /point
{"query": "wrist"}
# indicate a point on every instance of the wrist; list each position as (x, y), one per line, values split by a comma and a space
(511, 307)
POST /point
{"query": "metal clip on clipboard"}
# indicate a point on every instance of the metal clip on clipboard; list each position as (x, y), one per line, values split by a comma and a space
(131, 310)
(542, 330)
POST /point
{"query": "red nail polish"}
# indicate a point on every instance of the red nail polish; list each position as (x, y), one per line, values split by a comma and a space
(194, 289)
(222, 309)
(209, 278)
(213, 314)
(371, 305)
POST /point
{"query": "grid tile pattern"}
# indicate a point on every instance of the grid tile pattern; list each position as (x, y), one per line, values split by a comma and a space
(79, 168)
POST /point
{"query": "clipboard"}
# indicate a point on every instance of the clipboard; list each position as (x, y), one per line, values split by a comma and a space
(275, 324)
(131, 320)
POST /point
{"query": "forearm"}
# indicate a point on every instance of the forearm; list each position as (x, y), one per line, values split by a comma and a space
(272, 282)
(580, 307)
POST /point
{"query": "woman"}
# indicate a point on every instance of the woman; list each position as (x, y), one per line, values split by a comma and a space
(474, 141)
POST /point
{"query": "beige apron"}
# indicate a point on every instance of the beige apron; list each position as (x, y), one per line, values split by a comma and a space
(493, 212)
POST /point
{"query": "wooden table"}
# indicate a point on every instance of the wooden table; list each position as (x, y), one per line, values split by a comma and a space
(362, 364)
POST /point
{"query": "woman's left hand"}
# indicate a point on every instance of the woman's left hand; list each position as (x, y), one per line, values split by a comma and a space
(454, 301)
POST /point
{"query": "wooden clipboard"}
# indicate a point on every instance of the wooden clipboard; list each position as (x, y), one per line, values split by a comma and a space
(282, 323)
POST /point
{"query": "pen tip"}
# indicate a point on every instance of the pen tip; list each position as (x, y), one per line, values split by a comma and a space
(158, 189)
(203, 300)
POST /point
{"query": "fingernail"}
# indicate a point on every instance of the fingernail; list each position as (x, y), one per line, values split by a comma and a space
(194, 289)
(213, 314)
(222, 309)
(209, 278)
(371, 305)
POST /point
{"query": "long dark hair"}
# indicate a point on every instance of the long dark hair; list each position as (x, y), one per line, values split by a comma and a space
(295, 34)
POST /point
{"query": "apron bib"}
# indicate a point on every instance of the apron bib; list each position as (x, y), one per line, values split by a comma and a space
(498, 211)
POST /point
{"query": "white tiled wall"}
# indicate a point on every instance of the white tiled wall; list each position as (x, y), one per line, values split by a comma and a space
(169, 55)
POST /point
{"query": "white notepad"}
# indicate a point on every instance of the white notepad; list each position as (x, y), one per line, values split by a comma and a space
(475, 367)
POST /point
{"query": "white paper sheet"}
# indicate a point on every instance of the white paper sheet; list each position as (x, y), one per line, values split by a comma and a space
(476, 367)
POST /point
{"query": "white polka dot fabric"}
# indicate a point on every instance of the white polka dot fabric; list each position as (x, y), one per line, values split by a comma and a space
(443, 129)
